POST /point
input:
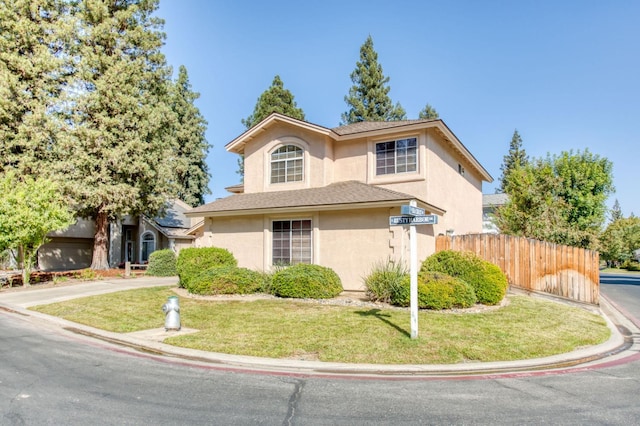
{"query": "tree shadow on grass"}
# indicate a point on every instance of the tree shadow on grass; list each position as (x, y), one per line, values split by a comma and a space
(383, 317)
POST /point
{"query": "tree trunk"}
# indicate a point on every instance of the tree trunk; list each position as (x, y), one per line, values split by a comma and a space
(100, 260)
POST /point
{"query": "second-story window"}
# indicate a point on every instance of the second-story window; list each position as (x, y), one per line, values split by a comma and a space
(287, 164)
(399, 156)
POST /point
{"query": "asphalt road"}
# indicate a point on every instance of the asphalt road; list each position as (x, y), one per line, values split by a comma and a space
(624, 292)
(50, 376)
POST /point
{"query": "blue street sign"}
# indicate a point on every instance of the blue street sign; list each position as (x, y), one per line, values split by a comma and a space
(411, 211)
(430, 219)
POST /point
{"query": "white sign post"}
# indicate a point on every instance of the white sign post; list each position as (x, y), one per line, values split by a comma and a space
(413, 215)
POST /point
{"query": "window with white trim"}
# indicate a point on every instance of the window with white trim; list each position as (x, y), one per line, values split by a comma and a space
(291, 242)
(287, 164)
(147, 246)
(399, 156)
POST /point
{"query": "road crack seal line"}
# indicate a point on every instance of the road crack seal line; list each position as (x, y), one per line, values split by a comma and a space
(293, 402)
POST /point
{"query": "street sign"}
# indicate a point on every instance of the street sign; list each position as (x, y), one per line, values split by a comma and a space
(430, 219)
(411, 211)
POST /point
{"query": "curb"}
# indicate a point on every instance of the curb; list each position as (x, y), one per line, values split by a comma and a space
(622, 331)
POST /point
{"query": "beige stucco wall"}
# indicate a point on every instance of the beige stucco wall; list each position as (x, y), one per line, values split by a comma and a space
(350, 241)
(82, 228)
(318, 161)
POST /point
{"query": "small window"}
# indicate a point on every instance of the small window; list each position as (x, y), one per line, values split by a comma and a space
(287, 164)
(399, 156)
(291, 242)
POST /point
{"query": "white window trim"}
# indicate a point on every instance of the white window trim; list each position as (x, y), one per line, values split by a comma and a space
(413, 176)
(274, 146)
(142, 240)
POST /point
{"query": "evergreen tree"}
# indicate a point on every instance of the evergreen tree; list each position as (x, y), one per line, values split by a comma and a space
(616, 212)
(517, 157)
(428, 112)
(33, 72)
(368, 98)
(123, 150)
(191, 167)
(275, 99)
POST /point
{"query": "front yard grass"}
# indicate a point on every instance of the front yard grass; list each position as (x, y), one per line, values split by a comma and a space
(525, 328)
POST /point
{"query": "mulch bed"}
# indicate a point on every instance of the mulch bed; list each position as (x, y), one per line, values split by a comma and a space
(40, 279)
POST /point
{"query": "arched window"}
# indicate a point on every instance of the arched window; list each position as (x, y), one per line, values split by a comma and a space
(147, 246)
(287, 164)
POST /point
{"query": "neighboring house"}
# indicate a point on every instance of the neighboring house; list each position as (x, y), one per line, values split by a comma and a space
(490, 202)
(317, 195)
(131, 239)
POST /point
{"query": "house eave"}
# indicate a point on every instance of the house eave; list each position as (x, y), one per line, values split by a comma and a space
(315, 208)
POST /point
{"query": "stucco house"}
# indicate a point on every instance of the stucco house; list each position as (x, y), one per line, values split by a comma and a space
(133, 239)
(490, 202)
(318, 195)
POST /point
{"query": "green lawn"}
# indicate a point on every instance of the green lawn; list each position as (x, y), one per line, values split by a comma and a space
(525, 328)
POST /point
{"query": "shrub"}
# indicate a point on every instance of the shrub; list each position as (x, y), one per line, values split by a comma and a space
(436, 291)
(487, 280)
(226, 280)
(631, 265)
(306, 281)
(162, 263)
(192, 261)
(384, 280)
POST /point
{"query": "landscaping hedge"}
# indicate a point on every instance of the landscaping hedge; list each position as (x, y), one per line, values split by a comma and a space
(226, 280)
(488, 281)
(194, 260)
(162, 263)
(306, 281)
(436, 291)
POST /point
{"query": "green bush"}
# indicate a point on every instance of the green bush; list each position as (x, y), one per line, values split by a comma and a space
(487, 280)
(194, 260)
(306, 281)
(226, 280)
(436, 291)
(162, 263)
(385, 279)
(631, 265)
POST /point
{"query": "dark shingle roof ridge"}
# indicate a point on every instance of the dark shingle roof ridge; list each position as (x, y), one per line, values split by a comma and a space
(365, 126)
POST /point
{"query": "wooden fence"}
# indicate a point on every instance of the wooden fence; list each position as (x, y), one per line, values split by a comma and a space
(563, 271)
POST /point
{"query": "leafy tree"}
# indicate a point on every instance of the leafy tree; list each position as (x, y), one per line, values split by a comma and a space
(516, 157)
(620, 240)
(275, 99)
(560, 199)
(33, 72)
(30, 209)
(428, 112)
(368, 98)
(586, 183)
(616, 212)
(191, 167)
(124, 149)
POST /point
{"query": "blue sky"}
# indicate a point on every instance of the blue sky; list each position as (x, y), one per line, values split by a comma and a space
(564, 73)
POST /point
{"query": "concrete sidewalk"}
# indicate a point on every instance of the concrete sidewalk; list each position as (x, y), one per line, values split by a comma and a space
(617, 347)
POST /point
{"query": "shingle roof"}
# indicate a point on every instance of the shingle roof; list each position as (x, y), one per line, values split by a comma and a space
(341, 193)
(494, 200)
(368, 126)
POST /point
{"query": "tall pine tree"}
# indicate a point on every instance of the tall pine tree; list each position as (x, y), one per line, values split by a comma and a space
(368, 98)
(428, 112)
(122, 150)
(191, 167)
(275, 99)
(33, 72)
(517, 157)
